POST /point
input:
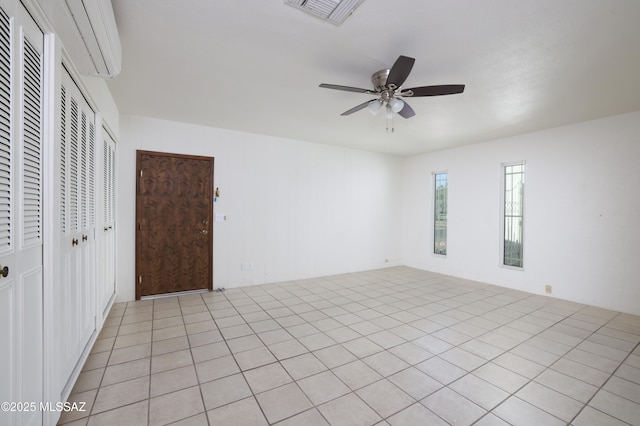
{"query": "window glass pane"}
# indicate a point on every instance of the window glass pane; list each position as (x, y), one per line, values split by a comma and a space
(440, 214)
(513, 214)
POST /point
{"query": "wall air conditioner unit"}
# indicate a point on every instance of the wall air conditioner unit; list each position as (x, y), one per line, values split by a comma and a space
(97, 30)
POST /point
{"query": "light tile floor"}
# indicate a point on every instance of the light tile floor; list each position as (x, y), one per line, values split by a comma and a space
(397, 346)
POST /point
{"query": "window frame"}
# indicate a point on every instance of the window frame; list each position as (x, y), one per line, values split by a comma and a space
(434, 180)
(503, 217)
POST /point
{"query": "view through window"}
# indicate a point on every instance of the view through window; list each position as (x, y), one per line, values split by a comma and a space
(513, 214)
(440, 214)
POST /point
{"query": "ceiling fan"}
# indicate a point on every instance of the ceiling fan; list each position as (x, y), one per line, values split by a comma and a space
(387, 85)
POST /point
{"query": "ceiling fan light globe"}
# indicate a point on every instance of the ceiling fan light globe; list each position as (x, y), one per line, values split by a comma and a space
(396, 104)
(374, 107)
(389, 113)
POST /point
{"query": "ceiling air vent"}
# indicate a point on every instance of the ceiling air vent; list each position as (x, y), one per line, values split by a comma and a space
(334, 11)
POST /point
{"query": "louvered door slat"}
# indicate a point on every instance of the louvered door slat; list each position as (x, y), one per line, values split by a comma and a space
(5, 134)
(63, 160)
(31, 151)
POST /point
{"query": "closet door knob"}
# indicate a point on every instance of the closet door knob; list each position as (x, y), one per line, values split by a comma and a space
(4, 271)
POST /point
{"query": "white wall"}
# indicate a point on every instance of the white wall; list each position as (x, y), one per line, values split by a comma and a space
(294, 209)
(582, 212)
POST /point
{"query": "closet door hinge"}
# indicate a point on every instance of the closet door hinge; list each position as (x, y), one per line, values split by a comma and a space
(141, 173)
(139, 279)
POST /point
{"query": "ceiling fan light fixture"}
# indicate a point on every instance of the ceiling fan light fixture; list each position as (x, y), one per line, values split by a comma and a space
(388, 113)
(396, 104)
(374, 106)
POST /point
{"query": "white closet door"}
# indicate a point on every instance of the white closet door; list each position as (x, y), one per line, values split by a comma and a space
(75, 316)
(21, 328)
(106, 232)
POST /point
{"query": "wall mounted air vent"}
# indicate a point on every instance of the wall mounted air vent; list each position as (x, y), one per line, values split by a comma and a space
(334, 11)
(97, 31)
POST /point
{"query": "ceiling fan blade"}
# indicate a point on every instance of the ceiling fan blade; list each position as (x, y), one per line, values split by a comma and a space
(400, 71)
(447, 89)
(358, 107)
(406, 111)
(345, 88)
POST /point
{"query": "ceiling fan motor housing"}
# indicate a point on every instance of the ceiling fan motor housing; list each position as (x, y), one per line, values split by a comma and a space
(379, 80)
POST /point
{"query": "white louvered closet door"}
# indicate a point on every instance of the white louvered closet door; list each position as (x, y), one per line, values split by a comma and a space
(21, 135)
(106, 233)
(75, 314)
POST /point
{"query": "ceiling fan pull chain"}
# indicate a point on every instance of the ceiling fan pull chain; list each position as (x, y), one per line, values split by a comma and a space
(390, 121)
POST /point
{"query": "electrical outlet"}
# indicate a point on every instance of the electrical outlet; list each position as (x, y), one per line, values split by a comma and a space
(547, 289)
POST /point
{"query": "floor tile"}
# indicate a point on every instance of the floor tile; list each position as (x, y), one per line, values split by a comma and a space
(616, 406)
(590, 416)
(216, 368)
(362, 347)
(416, 414)
(285, 401)
(171, 360)
(385, 363)
(385, 398)
(303, 366)
(120, 394)
(479, 391)
(323, 387)
(173, 380)
(520, 365)
(580, 371)
(574, 388)
(161, 347)
(316, 341)
(342, 334)
(463, 359)
(356, 374)
(410, 353)
(88, 380)
(348, 410)
(224, 391)
(254, 358)
(453, 407)
(441, 370)
(288, 349)
(520, 413)
(432, 344)
(175, 406)
(334, 356)
(122, 355)
(267, 377)
(169, 333)
(415, 383)
(245, 412)
(134, 414)
(210, 351)
(307, 418)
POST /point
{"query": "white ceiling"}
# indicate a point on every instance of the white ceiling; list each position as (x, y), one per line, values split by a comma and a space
(255, 66)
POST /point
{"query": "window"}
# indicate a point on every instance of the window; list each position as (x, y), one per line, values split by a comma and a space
(513, 215)
(440, 214)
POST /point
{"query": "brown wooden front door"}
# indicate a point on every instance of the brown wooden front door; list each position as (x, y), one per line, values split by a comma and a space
(174, 239)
